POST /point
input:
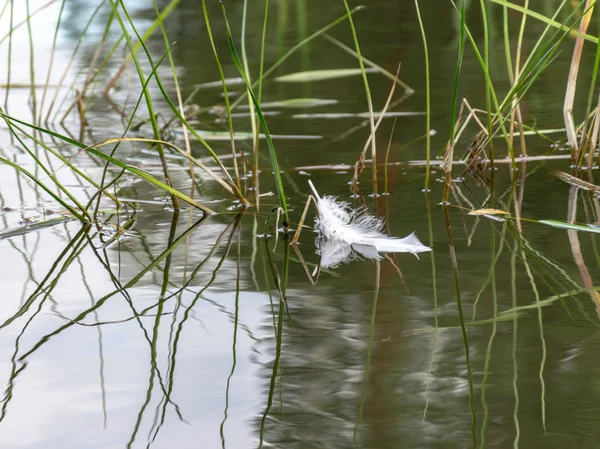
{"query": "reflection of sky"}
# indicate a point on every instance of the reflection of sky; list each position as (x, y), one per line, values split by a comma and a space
(42, 24)
(57, 398)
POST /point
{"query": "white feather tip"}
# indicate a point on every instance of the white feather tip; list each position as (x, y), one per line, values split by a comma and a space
(339, 222)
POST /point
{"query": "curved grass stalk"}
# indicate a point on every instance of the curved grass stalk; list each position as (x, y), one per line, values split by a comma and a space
(177, 113)
(69, 64)
(147, 95)
(293, 50)
(225, 93)
(91, 77)
(57, 198)
(163, 15)
(486, 60)
(368, 94)
(37, 181)
(449, 153)
(427, 99)
(174, 147)
(550, 22)
(253, 125)
(129, 123)
(136, 171)
(9, 62)
(408, 90)
(51, 62)
(32, 94)
(263, 122)
(66, 162)
(147, 176)
(186, 138)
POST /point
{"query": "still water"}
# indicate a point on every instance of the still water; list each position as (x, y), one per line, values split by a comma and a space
(175, 335)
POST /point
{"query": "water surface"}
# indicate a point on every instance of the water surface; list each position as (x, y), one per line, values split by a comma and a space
(177, 334)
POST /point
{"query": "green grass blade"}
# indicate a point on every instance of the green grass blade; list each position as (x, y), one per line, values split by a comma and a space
(368, 94)
(225, 92)
(542, 18)
(136, 171)
(177, 113)
(427, 97)
(294, 49)
(571, 226)
(147, 96)
(51, 62)
(49, 191)
(263, 122)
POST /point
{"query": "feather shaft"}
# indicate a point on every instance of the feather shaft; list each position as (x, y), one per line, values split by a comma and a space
(339, 222)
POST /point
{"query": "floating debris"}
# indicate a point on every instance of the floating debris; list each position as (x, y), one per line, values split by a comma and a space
(224, 135)
(295, 103)
(338, 115)
(488, 212)
(321, 75)
(228, 82)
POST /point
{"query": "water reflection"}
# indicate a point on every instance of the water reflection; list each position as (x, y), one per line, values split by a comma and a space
(180, 329)
(135, 329)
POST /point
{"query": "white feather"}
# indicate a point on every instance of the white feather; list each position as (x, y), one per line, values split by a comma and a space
(338, 221)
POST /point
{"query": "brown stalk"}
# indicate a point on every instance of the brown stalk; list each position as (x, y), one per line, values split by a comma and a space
(572, 81)
(594, 138)
(360, 164)
(371, 64)
(88, 81)
(448, 159)
(576, 249)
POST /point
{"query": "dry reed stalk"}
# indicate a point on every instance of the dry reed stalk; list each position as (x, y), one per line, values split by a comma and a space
(595, 130)
(576, 250)
(360, 163)
(572, 81)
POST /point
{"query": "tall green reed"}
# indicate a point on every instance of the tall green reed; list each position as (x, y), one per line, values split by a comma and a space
(147, 96)
(427, 97)
(224, 84)
(368, 94)
(262, 121)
